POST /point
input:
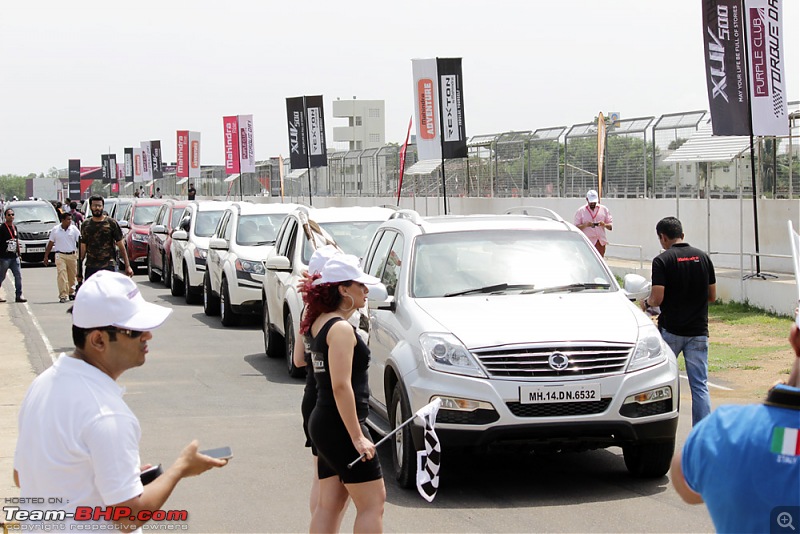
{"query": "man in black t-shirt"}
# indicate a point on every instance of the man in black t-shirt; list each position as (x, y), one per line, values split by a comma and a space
(192, 192)
(9, 254)
(683, 284)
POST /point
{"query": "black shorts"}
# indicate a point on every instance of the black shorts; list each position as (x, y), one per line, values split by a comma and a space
(336, 450)
(306, 407)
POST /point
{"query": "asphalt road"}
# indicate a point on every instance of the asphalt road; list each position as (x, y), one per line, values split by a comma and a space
(202, 380)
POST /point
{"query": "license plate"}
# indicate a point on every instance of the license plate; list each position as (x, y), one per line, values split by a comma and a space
(31, 250)
(559, 393)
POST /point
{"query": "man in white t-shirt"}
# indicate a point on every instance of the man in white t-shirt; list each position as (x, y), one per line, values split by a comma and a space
(64, 238)
(78, 442)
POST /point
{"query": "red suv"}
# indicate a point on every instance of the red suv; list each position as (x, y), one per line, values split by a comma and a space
(140, 215)
(158, 257)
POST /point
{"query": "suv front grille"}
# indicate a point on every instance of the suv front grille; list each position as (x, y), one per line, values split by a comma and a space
(532, 361)
(28, 236)
(558, 409)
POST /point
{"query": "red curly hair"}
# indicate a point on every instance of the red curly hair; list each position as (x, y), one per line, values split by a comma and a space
(319, 299)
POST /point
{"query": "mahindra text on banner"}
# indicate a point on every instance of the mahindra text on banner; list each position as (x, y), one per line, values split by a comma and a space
(426, 108)
(231, 132)
(194, 155)
(451, 101)
(764, 22)
(315, 114)
(247, 157)
(726, 76)
(74, 179)
(295, 117)
(182, 154)
(147, 168)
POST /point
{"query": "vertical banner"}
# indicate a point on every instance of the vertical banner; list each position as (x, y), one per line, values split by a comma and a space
(247, 157)
(231, 130)
(315, 114)
(156, 160)
(106, 168)
(147, 166)
(182, 154)
(426, 110)
(764, 23)
(194, 154)
(295, 115)
(137, 165)
(74, 179)
(112, 170)
(726, 72)
(601, 151)
(127, 159)
(451, 101)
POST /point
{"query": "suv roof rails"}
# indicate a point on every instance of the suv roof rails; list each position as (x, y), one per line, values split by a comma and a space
(411, 215)
(537, 211)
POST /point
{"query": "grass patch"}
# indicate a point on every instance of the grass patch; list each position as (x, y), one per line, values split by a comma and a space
(722, 356)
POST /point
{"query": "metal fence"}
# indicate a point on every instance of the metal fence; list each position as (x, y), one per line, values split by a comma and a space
(555, 161)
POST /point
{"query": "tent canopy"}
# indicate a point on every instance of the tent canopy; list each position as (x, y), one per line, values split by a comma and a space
(296, 174)
(424, 167)
(705, 147)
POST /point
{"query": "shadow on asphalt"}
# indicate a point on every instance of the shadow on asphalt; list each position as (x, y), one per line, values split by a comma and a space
(504, 480)
(273, 369)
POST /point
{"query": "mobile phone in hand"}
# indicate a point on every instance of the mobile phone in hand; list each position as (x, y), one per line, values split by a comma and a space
(150, 474)
(221, 453)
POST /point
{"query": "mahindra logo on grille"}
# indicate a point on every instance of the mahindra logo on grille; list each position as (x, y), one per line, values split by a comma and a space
(558, 361)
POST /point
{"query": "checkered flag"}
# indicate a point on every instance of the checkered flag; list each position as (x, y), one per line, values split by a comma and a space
(428, 460)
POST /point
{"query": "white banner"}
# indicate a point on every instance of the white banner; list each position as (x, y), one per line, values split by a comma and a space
(764, 23)
(194, 155)
(147, 164)
(247, 155)
(426, 109)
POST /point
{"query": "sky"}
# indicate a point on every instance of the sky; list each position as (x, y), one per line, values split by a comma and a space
(83, 77)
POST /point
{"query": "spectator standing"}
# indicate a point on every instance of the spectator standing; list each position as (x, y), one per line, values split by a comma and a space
(594, 219)
(158, 192)
(77, 216)
(99, 235)
(744, 461)
(136, 194)
(9, 254)
(65, 238)
(684, 283)
(192, 192)
(90, 456)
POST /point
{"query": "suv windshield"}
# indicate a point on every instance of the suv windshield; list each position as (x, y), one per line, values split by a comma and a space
(206, 223)
(259, 229)
(35, 213)
(144, 214)
(119, 211)
(352, 237)
(494, 261)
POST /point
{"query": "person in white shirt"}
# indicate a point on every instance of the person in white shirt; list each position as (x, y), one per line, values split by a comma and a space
(78, 442)
(65, 237)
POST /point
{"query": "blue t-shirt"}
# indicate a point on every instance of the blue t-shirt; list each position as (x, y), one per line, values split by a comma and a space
(745, 462)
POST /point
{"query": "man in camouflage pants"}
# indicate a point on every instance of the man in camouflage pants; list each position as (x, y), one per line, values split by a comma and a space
(99, 235)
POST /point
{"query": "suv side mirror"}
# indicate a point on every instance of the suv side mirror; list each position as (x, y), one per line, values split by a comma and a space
(217, 243)
(279, 263)
(123, 224)
(637, 288)
(387, 305)
(158, 229)
(180, 235)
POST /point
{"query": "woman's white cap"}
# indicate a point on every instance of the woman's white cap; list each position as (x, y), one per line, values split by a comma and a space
(321, 257)
(342, 268)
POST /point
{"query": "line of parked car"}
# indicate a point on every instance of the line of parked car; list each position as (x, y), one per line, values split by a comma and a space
(514, 321)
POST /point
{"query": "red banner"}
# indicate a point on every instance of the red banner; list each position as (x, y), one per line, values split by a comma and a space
(182, 164)
(231, 131)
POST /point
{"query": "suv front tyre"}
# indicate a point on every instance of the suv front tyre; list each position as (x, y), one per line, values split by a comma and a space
(403, 452)
(649, 459)
(210, 301)
(273, 343)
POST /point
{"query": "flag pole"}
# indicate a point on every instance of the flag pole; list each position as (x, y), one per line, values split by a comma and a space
(384, 439)
(308, 148)
(441, 138)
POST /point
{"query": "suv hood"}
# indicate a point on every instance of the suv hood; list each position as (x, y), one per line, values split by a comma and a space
(36, 227)
(485, 321)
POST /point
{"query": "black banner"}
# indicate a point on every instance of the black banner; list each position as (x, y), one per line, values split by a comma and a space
(74, 179)
(128, 163)
(726, 67)
(451, 108)
(155, 158)
(298, 149)
(317, 148)
(105, 165)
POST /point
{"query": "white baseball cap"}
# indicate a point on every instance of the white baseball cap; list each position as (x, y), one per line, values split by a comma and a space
(112, 299)
(592, 196)
(321, 257)
(342, 268)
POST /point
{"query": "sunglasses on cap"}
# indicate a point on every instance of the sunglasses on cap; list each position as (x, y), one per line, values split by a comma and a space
(133, 334)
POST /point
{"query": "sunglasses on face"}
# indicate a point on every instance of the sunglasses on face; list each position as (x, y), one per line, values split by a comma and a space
(133, 334)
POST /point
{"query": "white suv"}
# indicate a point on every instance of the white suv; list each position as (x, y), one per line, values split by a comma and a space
(351, 229)
(189, 247)
(516, 323)
(236, 253)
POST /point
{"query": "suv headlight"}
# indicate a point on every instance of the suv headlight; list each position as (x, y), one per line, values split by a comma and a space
(444, 352)
(255, 267)
(650, 350)
(139, 238)
(200, 253)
